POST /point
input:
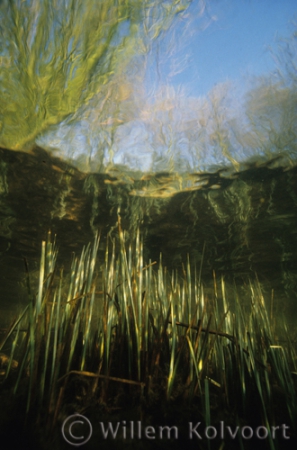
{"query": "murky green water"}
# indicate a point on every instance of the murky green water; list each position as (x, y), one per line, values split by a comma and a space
(106, 129)
(239, 225)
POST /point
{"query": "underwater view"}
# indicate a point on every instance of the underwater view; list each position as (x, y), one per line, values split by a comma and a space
(148, 224)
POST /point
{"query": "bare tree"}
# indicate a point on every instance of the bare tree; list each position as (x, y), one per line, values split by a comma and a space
(272, 104)
(57, 54)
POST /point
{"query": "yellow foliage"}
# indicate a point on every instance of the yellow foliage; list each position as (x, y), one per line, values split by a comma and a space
(58, 54)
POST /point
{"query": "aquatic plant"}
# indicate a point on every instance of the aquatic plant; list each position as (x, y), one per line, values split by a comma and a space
(120, 322)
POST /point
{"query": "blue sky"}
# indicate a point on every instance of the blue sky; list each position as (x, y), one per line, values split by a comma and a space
(231, 41)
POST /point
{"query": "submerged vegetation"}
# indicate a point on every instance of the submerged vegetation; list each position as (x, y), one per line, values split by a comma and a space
(123, 333)
(121, 336)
